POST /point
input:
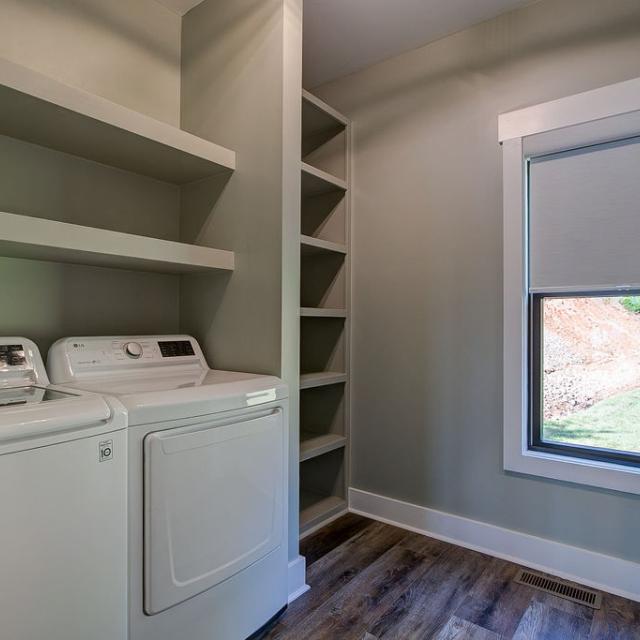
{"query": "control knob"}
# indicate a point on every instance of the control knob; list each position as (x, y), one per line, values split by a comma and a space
(133, 349)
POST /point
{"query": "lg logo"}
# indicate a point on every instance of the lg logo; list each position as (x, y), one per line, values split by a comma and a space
(105, 449)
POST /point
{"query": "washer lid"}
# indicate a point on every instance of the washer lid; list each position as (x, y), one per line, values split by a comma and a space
(156, 398)
(30, 394)
(33, 416)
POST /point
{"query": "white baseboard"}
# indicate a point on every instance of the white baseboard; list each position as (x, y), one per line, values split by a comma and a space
(297, 578)
(599, 571)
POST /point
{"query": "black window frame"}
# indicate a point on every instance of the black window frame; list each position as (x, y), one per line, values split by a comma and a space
(536, 388)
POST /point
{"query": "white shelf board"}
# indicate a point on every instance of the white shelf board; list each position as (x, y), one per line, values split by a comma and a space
(315, 312)
(38, 239)
(41, 110)
(313, 246)
(318, 117)
(313, 445)
(316, 182)
(315, 508)
(322, 379)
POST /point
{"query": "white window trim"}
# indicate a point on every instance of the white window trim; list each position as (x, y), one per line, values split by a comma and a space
(610, 109)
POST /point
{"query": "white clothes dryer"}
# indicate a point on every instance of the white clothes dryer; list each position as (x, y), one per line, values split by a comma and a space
(207, 483)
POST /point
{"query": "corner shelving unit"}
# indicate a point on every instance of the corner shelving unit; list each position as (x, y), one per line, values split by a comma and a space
(42, 111)
(324, 314)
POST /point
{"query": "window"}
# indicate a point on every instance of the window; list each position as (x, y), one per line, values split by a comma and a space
(584, 236)
(571, 250)
(585, 376)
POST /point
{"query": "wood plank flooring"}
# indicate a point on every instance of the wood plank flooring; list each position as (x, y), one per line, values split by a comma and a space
(372, 581)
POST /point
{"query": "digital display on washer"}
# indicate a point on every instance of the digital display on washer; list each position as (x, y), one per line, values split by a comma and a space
(11, 355)
(173, 348)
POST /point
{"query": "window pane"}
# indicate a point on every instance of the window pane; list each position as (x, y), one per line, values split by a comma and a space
(591, 372)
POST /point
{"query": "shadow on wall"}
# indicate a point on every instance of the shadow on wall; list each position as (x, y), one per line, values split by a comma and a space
(198, 205)
(202, 294)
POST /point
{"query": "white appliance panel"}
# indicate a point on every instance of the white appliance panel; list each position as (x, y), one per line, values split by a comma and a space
(213, 504)
(63, 541)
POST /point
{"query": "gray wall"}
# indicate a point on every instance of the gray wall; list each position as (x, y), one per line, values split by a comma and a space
(232, 79)
(290, 324)
(427, 264)
(49, 300)
(241, 69)
(127, 51)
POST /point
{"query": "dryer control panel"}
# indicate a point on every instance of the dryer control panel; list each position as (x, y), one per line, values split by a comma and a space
(101, 355)
(176, 348)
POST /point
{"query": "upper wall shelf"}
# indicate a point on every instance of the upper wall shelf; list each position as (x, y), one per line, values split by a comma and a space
(41, 110)
(316, 182)
(318, 117)
(38, 239)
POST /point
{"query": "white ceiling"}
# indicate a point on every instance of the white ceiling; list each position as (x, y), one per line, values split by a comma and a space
(179, 6)
(343, 36)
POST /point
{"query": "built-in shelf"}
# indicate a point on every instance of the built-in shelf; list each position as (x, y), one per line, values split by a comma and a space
(316, 182)
(313, 312)
(41, 110)
(324, 309)
(316, 508)
(39, 239)
(313, 444)
(319, 118)
(314, 246)
(311, 380)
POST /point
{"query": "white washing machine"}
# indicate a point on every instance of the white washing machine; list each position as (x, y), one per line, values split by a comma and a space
(207, 484)
(63, 534)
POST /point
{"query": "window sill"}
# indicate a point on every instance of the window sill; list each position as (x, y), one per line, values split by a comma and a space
(602, 475)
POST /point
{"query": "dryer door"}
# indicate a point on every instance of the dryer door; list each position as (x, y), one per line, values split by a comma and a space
(213, 503)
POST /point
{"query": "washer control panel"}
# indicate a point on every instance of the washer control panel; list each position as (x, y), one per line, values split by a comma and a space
(12, 355)
(20, 363)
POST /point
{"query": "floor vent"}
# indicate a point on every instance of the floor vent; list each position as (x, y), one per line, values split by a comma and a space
(559, 588)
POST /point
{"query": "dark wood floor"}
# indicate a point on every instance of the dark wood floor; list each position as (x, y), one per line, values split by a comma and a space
(372, 581)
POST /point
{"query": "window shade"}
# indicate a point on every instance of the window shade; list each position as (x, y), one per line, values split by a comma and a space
(584, 217)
